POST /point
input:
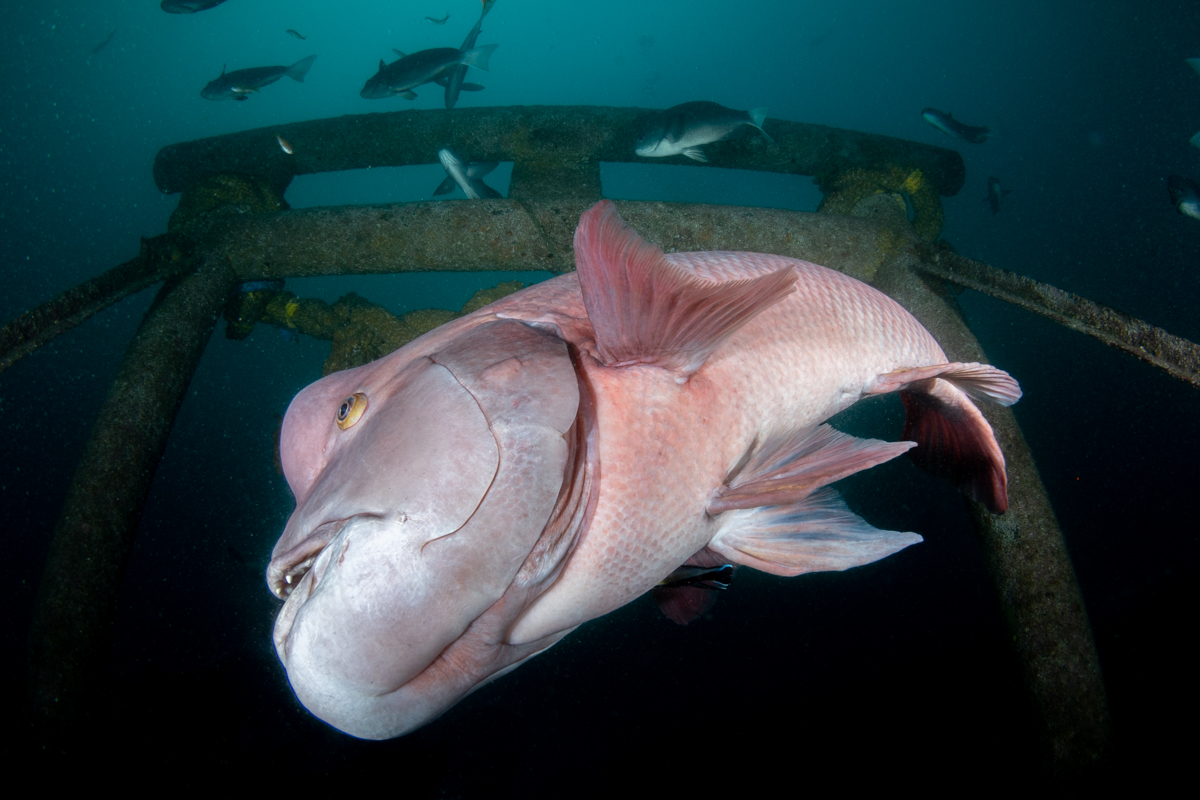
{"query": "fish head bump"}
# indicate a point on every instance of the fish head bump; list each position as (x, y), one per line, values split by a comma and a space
(426, 486)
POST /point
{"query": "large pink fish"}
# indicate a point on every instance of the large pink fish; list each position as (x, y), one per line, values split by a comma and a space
(467, 501)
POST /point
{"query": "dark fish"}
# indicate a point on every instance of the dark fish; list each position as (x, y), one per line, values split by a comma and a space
(188, 6)
(454, 84)
(294, 33)
(716, 578)
(467, 176)
(441, 21)
(684, 128)
(103, 43)
(946, 123)
(427, 66)
(995, 194)
(239, 83)
(1185, 196)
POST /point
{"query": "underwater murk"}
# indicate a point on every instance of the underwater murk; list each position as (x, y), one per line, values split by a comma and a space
(1071, 119)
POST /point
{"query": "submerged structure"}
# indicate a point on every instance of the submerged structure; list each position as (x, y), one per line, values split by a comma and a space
(232, 227)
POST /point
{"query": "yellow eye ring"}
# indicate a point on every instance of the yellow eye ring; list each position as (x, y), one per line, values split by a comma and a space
(351, 410)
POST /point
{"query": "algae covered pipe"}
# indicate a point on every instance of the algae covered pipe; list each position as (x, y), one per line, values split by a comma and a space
(549, 138)
(79, 590)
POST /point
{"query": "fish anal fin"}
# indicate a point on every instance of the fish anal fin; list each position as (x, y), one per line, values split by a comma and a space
(684, 604)
(785, 471)
(954, 441)
(817, 534)
(647, 310)
(979, 381)
(696, 154)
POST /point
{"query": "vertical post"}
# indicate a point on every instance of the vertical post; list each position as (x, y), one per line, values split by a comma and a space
(1026, 556)
(77, 598)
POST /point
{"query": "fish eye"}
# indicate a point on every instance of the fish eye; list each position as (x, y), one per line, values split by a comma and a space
(351, 410)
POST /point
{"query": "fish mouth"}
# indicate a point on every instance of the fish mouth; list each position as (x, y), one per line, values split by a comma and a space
(286, 570)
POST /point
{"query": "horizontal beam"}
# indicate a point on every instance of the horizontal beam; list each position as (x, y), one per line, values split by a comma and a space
(547, 135)
(1176, 355)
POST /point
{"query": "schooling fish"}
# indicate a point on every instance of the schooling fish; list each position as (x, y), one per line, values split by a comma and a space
(946, 123)
(467, 501)
(995, 194)
(402, 76)
(104, 42)
(294, 33)
(454, 81)
(682, 129)
(468, 177)
(188, 6)
(239, 83)
(1185, 195)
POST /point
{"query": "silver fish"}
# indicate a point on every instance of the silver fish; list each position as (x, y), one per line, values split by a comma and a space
(947, 124)
(682, 129)
(467, 176)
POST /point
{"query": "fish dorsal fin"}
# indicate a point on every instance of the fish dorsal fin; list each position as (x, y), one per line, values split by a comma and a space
(788, 469)
(817, 534)
(223, 69)
(647, 310)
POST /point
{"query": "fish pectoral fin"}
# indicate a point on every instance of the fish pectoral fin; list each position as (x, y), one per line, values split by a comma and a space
(471, 87)
(788, 469)
(445, 187)
(980, 381)
(817, 534)
(696, 154)
(481, 168)
(648, 310)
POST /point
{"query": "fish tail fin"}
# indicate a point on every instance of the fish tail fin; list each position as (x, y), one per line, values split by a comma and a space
(298, 70)
(478, 57)
(757, 117)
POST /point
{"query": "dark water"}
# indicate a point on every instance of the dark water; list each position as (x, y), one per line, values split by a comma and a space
(898, 671)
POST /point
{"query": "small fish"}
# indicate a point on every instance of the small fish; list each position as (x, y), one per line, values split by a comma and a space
(467, 176)
(946, 123)
(103, 43)
(284, 144)
(294, 33)
(1185, 196)
(995, 194)
(427, 66)
(716, 578)
(441, 21)
(239, 83)
(188, 6)
(454, 81)
(682, 129)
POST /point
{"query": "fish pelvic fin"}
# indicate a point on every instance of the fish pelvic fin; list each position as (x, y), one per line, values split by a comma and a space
(788, 469)
(646, 310)
(817, 534)
(695, 153)
(757, 117)
(298, 70)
